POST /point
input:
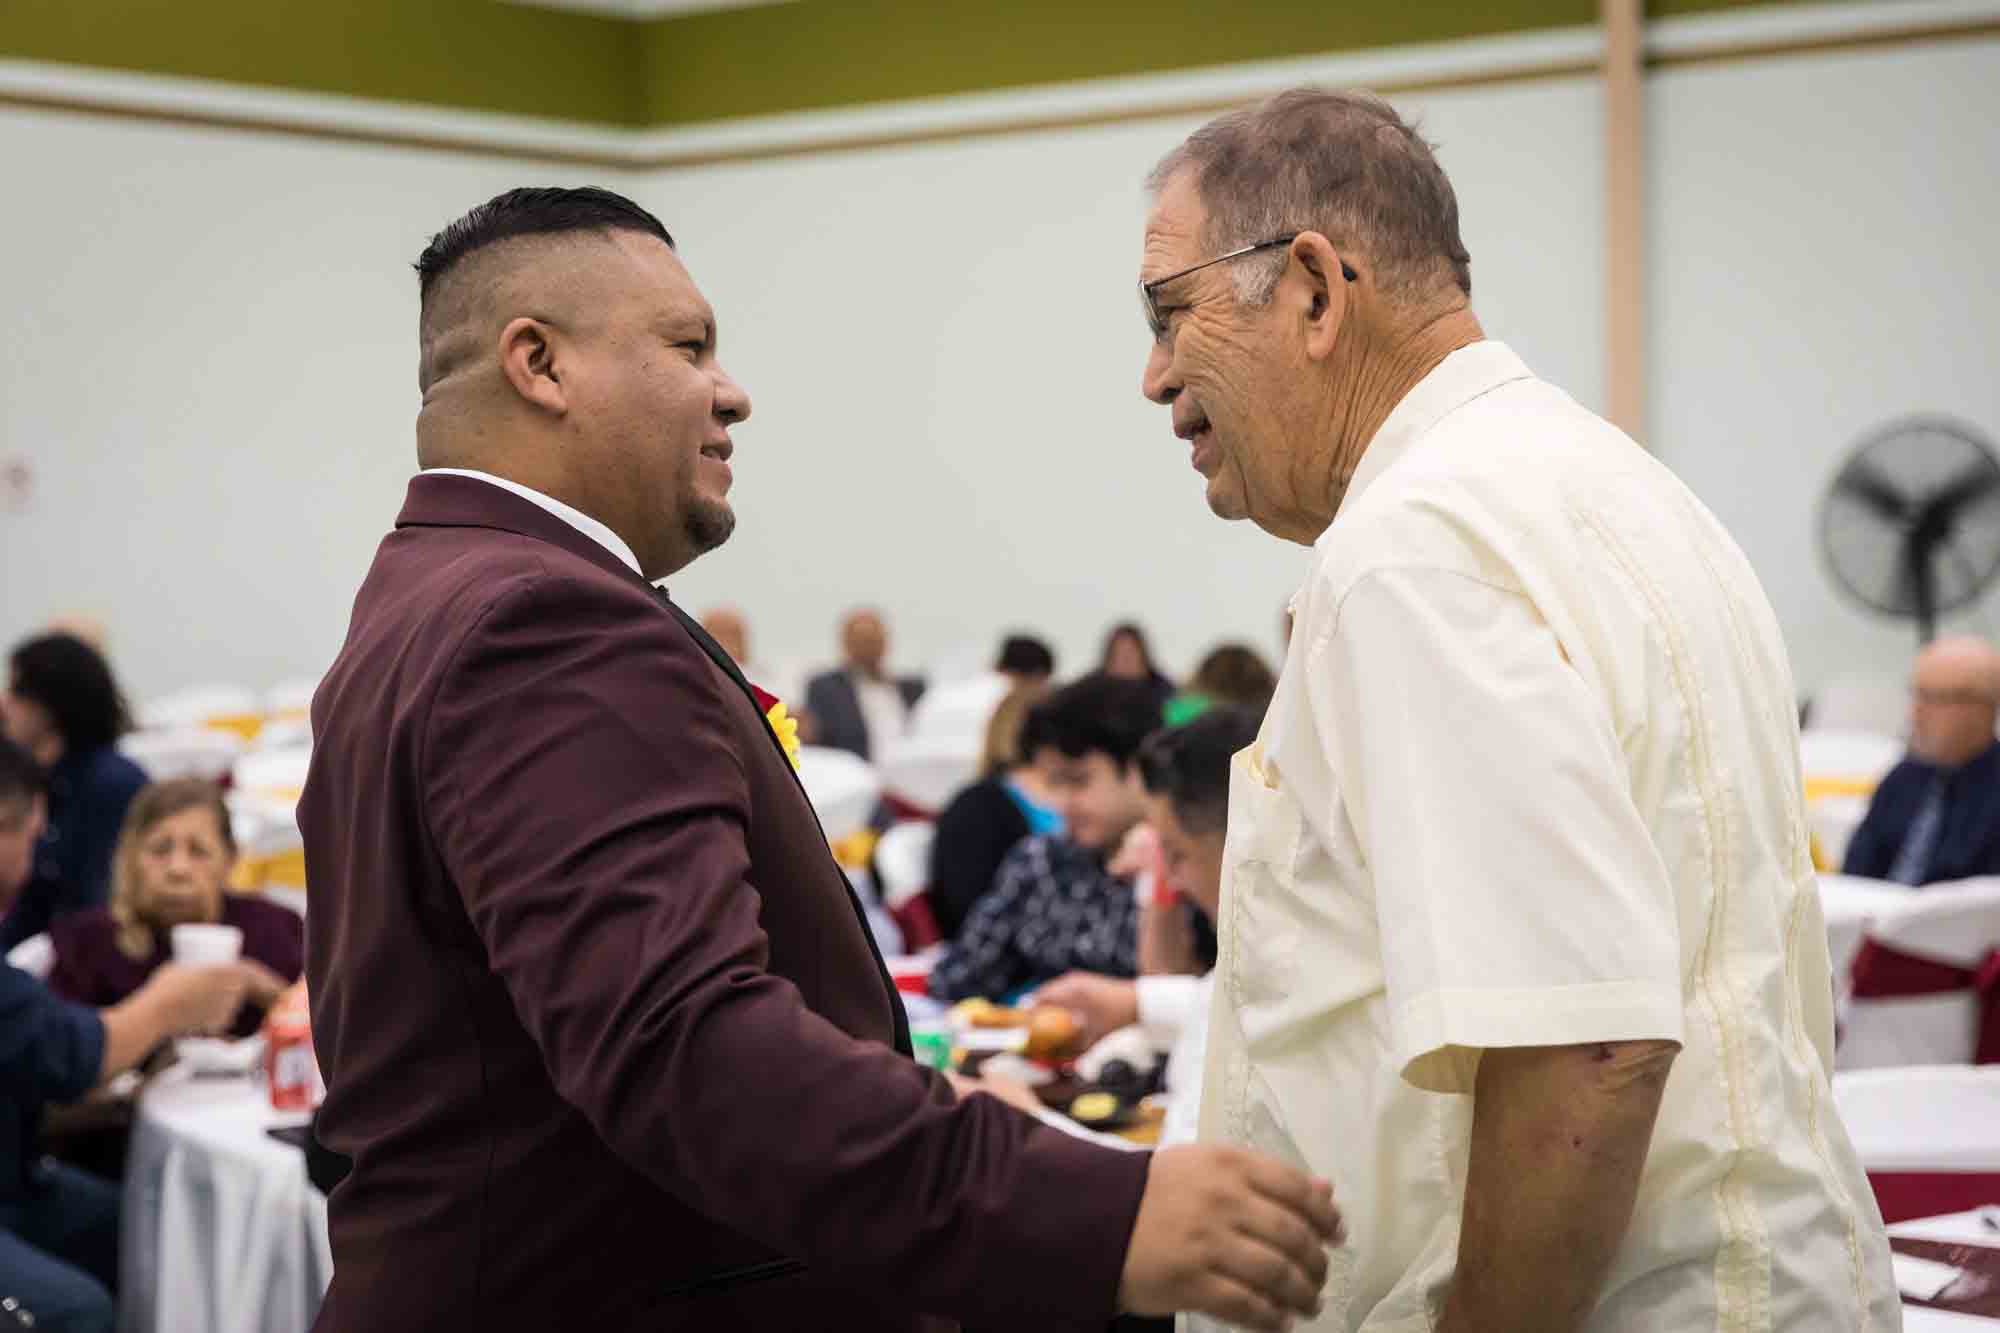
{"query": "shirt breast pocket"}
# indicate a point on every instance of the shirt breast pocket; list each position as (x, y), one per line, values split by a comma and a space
(1260, 899)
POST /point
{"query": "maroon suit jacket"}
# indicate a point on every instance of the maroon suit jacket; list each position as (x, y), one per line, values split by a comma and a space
(91, 969)
(604, 1034)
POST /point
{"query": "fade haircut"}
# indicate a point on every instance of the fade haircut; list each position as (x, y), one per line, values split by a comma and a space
(1188, 766)
(531, 211)
(1343, 164)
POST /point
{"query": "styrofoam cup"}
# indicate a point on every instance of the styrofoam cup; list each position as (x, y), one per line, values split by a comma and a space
(206, 946)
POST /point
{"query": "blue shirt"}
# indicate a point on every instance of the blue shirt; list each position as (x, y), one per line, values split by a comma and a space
(88, 795)
(50, 1051)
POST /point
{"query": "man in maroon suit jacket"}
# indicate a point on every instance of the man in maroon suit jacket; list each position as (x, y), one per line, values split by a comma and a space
(605, 1036)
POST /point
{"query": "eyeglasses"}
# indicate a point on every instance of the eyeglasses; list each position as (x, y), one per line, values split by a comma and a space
(1156, 319)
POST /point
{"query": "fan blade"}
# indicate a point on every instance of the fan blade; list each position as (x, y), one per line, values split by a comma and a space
(1971, 485)
(1865, 482)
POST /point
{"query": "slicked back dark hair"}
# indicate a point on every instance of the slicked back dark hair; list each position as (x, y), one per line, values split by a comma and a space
(1104, 715)
(540, 210)
(1188, 766)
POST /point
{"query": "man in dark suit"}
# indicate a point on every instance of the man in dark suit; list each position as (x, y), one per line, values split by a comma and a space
(858, 706)
(604, 1034)
(1936, 817)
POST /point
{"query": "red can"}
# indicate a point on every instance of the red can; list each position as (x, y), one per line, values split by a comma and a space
(290, 1069)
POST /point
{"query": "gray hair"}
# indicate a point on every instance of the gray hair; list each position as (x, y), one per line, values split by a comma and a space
(1340, 163)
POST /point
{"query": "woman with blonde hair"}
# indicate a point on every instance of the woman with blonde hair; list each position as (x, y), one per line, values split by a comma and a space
(172, 863)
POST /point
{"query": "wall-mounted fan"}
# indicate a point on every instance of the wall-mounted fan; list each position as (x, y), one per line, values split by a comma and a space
(1911, 524)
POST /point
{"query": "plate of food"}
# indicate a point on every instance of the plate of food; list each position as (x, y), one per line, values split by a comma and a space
(1103, 1111)
(1046, 1032)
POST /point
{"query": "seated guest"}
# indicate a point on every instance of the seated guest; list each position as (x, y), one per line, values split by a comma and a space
(1186, 774)
(63, 707)
(1012, 799)
(858, 706)
(1936, 817)
(1054, 906)
(963, 708)
(58, 1225)
(1233, 673)
(1128, 655)
(728, 627)
(173, 861)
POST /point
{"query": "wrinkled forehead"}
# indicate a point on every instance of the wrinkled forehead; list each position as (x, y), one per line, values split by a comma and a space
(1174, 226)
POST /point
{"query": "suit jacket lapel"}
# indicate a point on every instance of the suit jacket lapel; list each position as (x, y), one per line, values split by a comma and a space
(728, 664)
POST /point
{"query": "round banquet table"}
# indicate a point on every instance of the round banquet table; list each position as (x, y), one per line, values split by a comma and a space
(222, 1232)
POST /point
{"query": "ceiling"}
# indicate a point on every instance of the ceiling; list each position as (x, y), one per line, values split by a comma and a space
(646, 9)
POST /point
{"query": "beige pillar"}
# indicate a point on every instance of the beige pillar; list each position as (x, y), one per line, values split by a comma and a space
(1624, 215)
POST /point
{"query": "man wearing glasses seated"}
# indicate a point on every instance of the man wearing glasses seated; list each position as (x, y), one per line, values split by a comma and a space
(1936, 817)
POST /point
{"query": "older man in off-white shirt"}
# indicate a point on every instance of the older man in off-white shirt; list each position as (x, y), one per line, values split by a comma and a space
(1521, 945)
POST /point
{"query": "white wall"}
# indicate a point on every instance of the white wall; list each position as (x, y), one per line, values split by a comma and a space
(210, 366)
(1823, 259)
(211, 360)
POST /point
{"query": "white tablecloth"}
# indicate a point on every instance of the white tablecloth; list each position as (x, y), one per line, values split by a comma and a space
(222, 1231)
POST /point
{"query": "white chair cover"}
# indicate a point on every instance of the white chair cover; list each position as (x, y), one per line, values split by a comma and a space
(960, 710)
(277, 772)
(1955, 924)
(927, 771)
(35, 955)
(843, 789)
(1923, 1118)
(290, 698)
(183, 752)
(286, 733)
(200, 706)
(1848, 756)
(903, 860)
(1834, 821)
(1851, 906)
(1861, 703)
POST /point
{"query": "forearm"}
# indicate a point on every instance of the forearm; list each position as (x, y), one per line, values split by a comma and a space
(875, 1167)
(132, 1029)
(1559, 1138)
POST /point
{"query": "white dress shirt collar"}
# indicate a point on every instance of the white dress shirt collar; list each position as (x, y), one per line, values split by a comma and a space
(576, 518)
(1475, 369)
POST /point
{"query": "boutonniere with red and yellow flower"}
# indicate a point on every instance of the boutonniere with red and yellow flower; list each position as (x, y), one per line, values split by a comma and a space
(783, 725)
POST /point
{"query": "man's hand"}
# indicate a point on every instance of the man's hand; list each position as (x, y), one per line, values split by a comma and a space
(176, 1001)
(1138, 851)
(1229, 1234)
(206, 999)
(1104, 1004)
